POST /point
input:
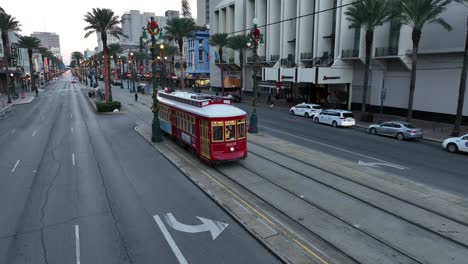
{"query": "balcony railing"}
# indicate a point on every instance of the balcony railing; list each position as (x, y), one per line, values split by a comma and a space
(231, 60)
(350, 53)
(274, 57)
(386, 51)
(325, 60)
(307, 56)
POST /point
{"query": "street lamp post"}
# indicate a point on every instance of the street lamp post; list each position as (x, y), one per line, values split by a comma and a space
(255, 38)
(121, 72)
(154, 30)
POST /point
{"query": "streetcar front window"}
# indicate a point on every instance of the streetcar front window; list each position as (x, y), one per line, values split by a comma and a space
(230, 130)
(217, 131)
(241, 129)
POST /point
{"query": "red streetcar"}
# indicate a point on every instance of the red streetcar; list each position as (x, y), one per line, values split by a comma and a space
(212, 126)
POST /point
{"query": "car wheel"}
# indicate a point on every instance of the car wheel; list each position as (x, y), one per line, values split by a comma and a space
(292, 112)
(452, 148)
(335, 124)
(373, 131)
(306, 115)
(400, 136)
(316, 120)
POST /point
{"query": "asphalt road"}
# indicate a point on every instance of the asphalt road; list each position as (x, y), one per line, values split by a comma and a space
(76, 187)
(419, 161)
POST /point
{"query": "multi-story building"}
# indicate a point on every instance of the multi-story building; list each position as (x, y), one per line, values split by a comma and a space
(48, 39)
(203, 12)
(88, 53)
(133, 22)
(110, 40)
(311, 54)
(197, 58)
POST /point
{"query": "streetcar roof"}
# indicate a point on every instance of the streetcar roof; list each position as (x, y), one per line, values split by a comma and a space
(210, 111)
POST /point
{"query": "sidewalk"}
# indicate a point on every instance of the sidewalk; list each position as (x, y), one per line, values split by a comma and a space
(4, 106)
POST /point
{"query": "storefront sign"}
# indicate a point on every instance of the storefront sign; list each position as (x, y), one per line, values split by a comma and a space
(325, 78)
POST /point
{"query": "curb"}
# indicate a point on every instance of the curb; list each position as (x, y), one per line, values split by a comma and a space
(93, 105)
(6, 108)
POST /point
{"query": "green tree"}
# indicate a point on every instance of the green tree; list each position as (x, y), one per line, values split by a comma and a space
(114, 50)
(7, 24)
(31, 44)
(186, 11)
(462, 89)
(239, 43)
(416, 14)
(46, 55)
(177, 29)
(103, 21)
(368, 14)
(220, 40)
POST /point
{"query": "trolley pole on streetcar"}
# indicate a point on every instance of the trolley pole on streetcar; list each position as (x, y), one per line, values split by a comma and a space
(255, 38)
(154, 30)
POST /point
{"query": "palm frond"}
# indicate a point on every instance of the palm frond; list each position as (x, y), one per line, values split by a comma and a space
(238, 42)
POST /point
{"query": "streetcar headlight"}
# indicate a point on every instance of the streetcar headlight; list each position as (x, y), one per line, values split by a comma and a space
(232, 149)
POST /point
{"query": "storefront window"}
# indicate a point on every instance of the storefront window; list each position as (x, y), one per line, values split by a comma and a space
(217, 131)
(230, 130)
(241, 129)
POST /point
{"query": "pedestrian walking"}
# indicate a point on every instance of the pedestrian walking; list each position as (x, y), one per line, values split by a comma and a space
(269, 99)
(136, 96)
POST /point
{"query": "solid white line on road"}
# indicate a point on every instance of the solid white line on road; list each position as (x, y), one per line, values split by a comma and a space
(71, 130)
(330, 146)
(77, 244)
(73, 159)
(170, 240)
(34, 133)
(16, 165)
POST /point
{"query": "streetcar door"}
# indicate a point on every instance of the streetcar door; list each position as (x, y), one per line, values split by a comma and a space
(204, 139)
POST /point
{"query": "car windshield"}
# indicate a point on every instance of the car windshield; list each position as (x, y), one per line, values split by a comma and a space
(348, 115)
(316, 107)
(409, 126)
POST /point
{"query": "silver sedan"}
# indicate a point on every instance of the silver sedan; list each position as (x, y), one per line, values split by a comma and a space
(398, 129)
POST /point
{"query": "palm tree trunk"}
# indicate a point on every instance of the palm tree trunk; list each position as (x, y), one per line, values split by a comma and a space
(369, 40)
(416, 35)
(241, 62)
(181, 61)
(462, 90)
(31, 70)
(6, 49)
(222, 71)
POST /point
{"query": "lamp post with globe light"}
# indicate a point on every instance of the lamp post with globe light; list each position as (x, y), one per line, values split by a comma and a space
(155, 31)
(255, 37)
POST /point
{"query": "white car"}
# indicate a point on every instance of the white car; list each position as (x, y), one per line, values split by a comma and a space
(307, 110)
(335, 118)
(456, 144)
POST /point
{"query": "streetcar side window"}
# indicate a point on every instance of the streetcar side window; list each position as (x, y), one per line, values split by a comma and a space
(192, 121)
(217, 131)
(241, 129)
(230, 130)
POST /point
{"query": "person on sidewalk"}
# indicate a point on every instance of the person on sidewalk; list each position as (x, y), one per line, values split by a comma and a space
(269, 99)
(37, 91)
(136, 97)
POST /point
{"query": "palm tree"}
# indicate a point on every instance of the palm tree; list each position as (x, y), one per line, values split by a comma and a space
(462, 89)
(78, 57)
(171, 52)
(7, 24)
(416, 14)
(114, 50)
(177, 29)
(220, 40)
(104, 22)
(186, 9)
(45, 55)
(239, 43)
(31, 44)
(368, 14)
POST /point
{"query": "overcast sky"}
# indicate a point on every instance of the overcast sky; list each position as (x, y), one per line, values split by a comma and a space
(66, 17)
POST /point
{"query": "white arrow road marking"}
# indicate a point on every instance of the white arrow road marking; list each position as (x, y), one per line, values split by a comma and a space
(16, 165)
(34, 133)
(77, 244)
(170, 240)
(214, 227)
(379, 164)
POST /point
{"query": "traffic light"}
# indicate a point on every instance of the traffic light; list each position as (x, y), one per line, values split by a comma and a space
(14, 62)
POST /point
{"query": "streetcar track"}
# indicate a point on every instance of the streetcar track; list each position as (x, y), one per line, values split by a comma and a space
(355, 197)
(353, 181)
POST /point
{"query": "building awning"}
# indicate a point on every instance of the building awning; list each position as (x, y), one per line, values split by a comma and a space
(316, 75)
